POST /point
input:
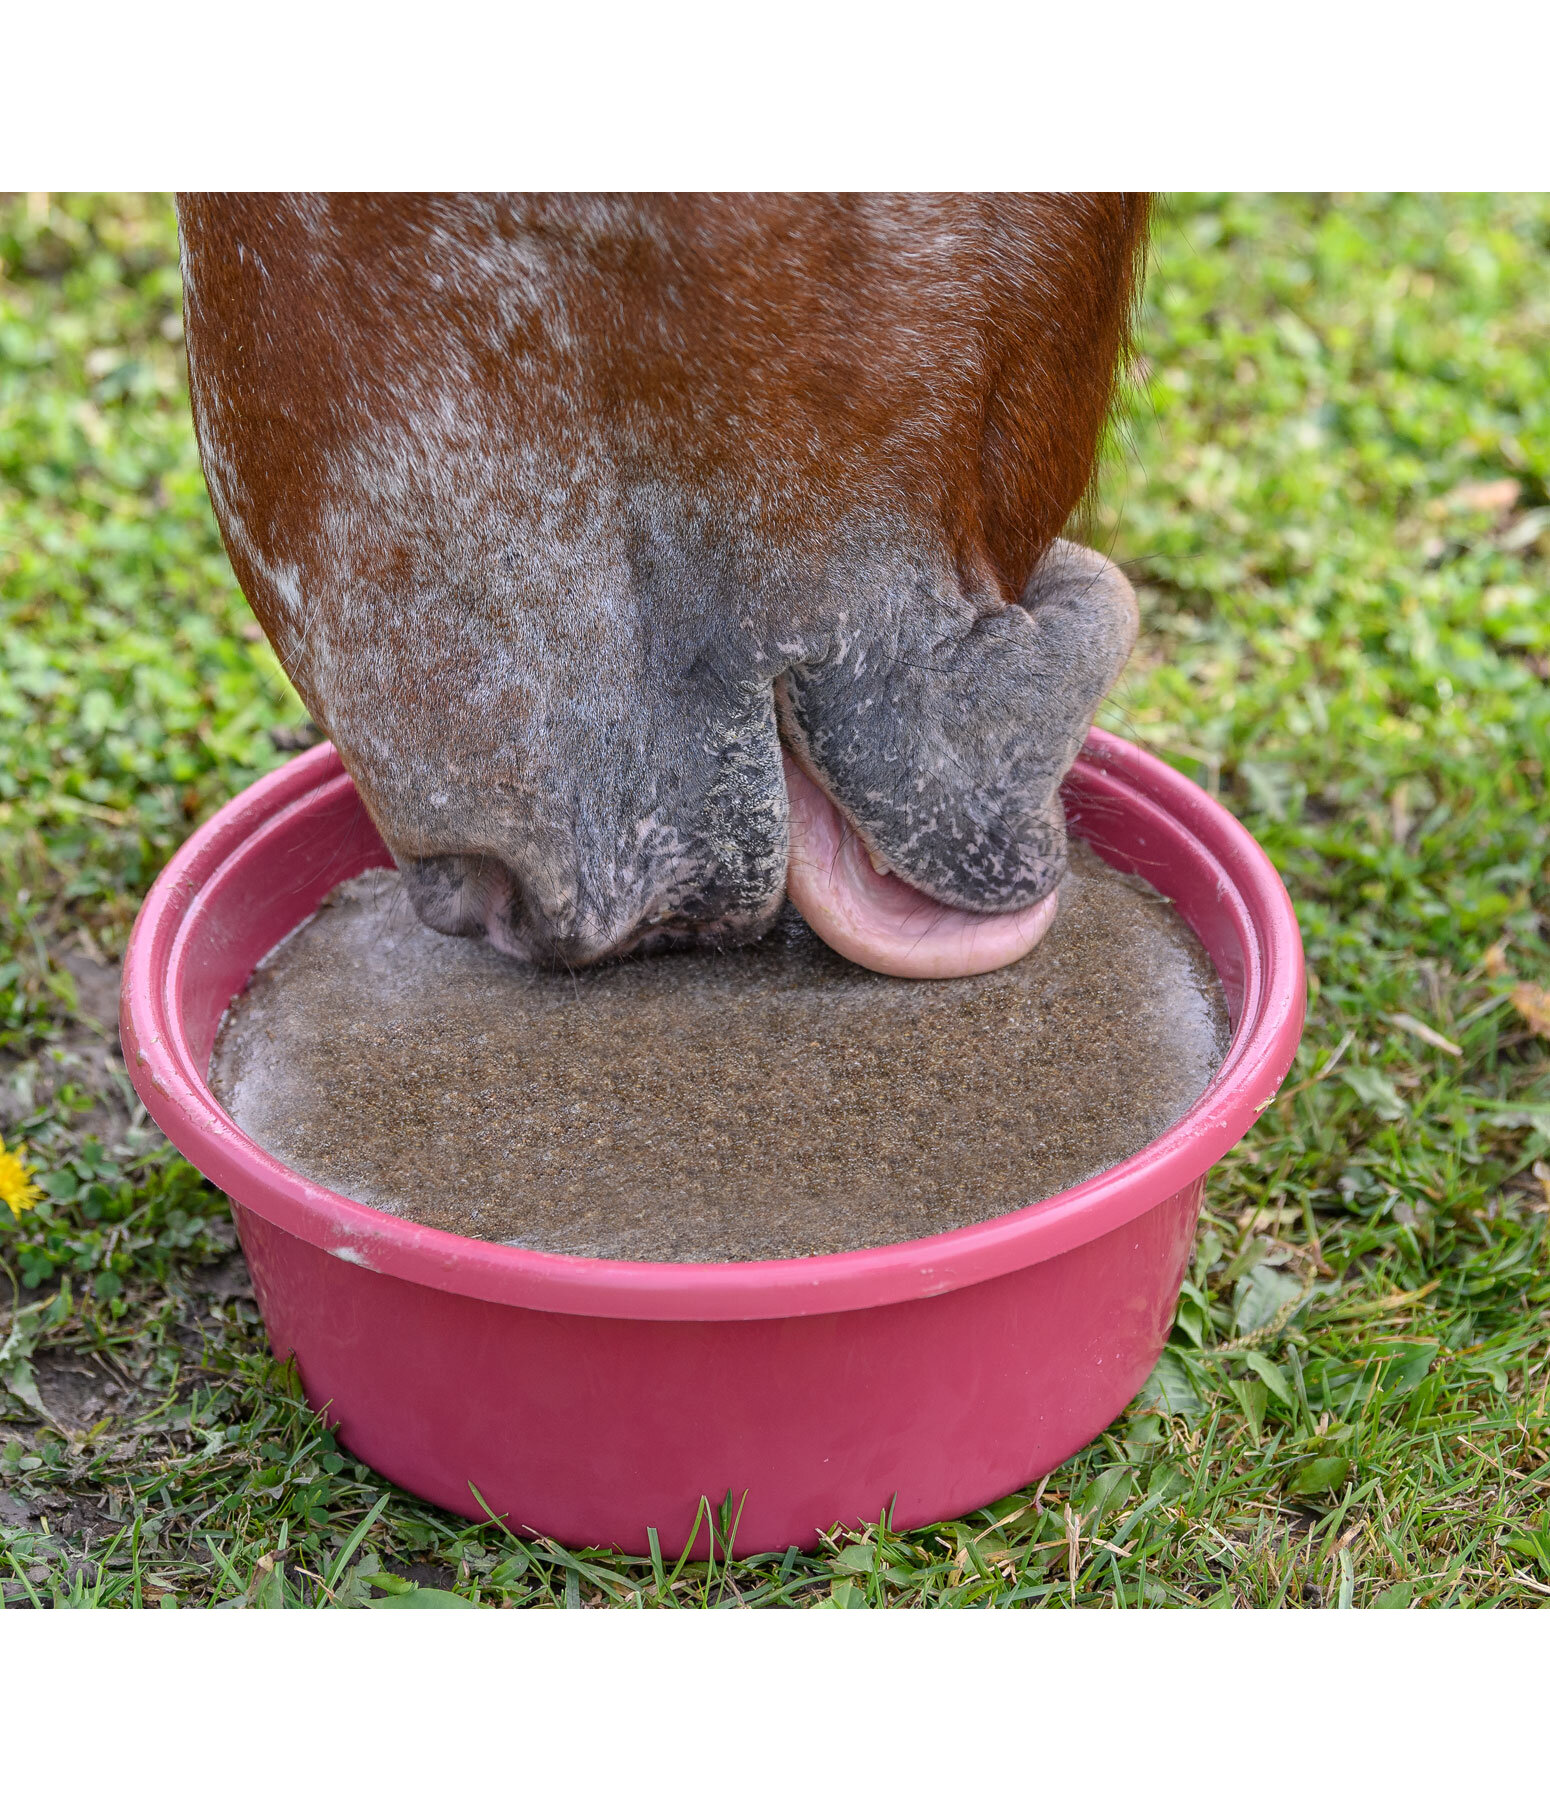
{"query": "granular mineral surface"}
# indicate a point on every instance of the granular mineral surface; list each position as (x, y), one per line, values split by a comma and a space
(771, 1101)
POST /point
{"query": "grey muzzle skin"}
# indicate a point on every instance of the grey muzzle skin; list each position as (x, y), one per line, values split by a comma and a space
(651, 808)
(946, 748)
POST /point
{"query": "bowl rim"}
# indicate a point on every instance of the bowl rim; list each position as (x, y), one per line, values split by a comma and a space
(177, 1095)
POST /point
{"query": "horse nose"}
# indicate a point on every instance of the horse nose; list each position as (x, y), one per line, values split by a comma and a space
(474, 894)
(456, 894)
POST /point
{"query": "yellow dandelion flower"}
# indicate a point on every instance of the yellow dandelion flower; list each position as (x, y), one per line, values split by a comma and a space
(17, 1188)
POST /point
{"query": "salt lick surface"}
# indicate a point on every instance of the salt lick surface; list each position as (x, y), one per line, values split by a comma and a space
(773, 1101)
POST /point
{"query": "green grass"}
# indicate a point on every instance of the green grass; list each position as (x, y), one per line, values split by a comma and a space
(1334, 498)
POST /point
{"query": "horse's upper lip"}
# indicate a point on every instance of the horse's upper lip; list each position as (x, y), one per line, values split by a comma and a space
(876, 919)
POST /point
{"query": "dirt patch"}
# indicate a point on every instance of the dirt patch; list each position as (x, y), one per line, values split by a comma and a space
(96, 987)
(77, 1390)
(84, 1055)
(222, 1281)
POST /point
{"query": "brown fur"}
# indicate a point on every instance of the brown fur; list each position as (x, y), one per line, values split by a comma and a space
(541, 499)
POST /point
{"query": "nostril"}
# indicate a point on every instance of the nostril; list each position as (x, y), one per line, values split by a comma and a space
(459, 895)
(475, 894)
(561, 926)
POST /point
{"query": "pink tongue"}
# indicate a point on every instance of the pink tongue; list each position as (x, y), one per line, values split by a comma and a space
(879, 921)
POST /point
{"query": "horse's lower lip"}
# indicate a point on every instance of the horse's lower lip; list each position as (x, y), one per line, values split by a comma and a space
(876, 919)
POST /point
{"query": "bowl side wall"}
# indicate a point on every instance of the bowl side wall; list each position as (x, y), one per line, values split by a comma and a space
(590, 1430)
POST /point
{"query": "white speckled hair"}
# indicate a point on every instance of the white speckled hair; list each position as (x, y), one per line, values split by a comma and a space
(559, 512)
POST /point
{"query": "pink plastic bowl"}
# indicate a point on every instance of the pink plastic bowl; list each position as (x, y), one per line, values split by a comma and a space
(586, 1400)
